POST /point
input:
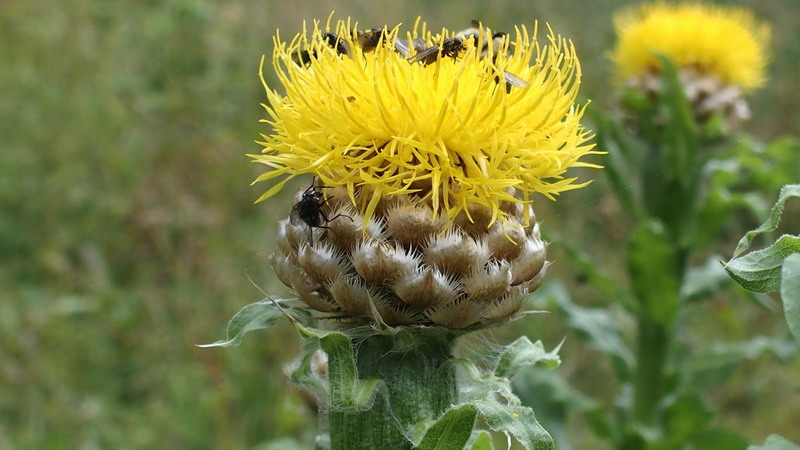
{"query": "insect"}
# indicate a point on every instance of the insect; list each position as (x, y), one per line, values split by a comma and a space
(403, 46)
(496, 42)
(369, 40)
(450, 48)
(305, 57)
(309, 210)
(334, 42)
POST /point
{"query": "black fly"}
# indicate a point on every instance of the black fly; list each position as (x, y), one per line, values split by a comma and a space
(336, 43)
(450, 48)
(496, 43)
(369, 40)
(309, 211)
(304, 57)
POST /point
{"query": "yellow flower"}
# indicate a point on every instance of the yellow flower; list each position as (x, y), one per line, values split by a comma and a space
(725, 42)
(450, 131)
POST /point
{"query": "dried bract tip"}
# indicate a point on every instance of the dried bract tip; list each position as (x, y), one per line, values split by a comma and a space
(456, 315)
(425, 288)
(488, 283)
(456, 254)
(381, 263)
(413, 225)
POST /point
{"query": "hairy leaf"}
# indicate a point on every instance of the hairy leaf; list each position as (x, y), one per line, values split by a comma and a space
(760, 271)
(790, 294)
(451, 431)
(347, 390)
(787, 192)
(775, 442)
(522, 353)
(518, 421)
(482, 441)
(255, 316)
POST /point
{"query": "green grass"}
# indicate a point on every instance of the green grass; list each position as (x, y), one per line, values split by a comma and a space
(127, 229)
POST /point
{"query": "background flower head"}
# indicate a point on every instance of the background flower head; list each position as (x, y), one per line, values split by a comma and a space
(725, 42)
(447, 128)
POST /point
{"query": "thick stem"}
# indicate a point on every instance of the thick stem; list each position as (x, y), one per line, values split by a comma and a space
(419, 384)
(650, 377)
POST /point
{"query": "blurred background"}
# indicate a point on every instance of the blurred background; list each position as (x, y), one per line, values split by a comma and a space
(128, 232)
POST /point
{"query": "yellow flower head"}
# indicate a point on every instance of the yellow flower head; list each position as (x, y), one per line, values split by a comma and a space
(455, 119)
(728, 43)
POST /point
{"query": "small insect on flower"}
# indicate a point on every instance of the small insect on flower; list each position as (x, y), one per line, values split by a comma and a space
(496, 43)
(370, 39)
(336, 43)
(304, 57)
(309, 210)
(450, 48)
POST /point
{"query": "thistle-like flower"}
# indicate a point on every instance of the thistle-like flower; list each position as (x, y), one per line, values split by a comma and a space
(722, 52)
(425, 150)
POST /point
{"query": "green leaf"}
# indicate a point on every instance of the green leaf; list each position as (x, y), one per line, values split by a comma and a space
(451, 431)
(719, 355)
(483, 441)
(555, 400)
(519, 421)
(790, 294)
(684, 416)
(280, 444)
(653, 266)
(255, 316)
(775, 442)
(522, 353)
(787, 192)
(618, 166)
(717, 439)
(760, 271)
(305, 376)
(704, 281)
(598, 326)
(347, 391)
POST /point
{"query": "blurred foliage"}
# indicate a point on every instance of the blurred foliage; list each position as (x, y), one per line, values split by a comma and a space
(128, 234)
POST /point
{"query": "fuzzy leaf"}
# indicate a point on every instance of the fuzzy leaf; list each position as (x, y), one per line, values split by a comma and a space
(760, 271)
(255, 316)
(522, 353)
(775, 442)
(347, 391)
(519, 421)
(483, 441)
(304, 376)
(790, 294)
(451, 431)
(787, 192)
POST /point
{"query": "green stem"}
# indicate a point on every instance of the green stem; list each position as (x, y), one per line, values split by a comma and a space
(652, 346)
(419, 384)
